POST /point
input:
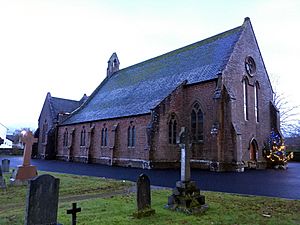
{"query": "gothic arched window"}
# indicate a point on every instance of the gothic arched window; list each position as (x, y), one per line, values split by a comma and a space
(245, 95)
(104, 136)
(197, 123)
(256, 99)
(172, 130)
(66, 138)
(82, 136)
(44, 131)
(131, 135)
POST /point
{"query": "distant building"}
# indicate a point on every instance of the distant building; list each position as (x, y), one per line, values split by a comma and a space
(4, 142)
(53, 112)
(16, 143)
(217, 88)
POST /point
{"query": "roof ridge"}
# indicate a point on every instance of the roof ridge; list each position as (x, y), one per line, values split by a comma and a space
(212, 38)
(88, 100)
(65, 99)
(49, 98)
(118, 95)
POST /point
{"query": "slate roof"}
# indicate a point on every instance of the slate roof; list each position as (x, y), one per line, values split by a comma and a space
(11, 137)
(137, 89)
(61, 105)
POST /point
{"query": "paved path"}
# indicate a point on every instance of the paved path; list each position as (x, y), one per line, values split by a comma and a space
(273, 183)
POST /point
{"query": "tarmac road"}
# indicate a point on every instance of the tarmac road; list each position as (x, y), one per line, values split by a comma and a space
(272, 183)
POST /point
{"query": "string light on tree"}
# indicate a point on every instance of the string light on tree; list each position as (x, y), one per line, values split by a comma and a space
(275, 151)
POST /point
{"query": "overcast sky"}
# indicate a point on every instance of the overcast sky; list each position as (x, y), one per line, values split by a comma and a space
(62, 46)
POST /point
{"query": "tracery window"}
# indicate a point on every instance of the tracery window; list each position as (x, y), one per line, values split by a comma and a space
(44, 131)
(66, 138)
(131, 135)
(172, 130)
(245, 96)
(256, 99)
(82, 136)
(104, 136)
(197, 123)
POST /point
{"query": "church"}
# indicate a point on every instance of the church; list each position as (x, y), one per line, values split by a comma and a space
(217, 88)
(53, 112)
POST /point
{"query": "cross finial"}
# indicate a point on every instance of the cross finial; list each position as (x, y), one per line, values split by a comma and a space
(73, 211)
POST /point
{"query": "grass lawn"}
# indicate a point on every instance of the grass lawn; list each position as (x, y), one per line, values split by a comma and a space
(105, 201)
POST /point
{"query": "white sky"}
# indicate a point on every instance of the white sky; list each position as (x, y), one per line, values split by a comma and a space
(62, 46)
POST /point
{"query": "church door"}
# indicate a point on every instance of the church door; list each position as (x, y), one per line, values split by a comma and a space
(253, 150)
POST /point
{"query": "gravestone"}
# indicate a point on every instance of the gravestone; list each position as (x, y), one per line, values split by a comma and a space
(73, 211)
(143, 197)
(186, 195)
(5, 165)
(2, 180)
(25, 171)
(42, 200)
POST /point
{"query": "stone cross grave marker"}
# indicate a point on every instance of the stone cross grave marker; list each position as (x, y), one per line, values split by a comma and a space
(27, 138)
(143, 197)
(26, 171)
(186, 195)
(5, 165)
(185, 156)
(42, 200)
(2, 181)
(73, 211)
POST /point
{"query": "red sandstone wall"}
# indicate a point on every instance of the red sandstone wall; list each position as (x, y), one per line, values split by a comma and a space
(180, 103)
(118, 148)
(233, 76)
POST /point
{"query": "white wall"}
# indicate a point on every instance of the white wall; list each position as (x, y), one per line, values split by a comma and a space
(7, 143)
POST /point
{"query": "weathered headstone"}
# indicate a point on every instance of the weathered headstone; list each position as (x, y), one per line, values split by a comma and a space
(5, 165)
(143, 197)
(2, 180)
(186, 195)
(26, 171)
(42, 200)
(73, 211)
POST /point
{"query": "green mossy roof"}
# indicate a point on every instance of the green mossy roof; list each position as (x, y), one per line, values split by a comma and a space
(137, 89)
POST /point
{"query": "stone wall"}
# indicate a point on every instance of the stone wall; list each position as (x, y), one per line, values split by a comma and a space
(233, 77)
(180, 104)
(117, 151)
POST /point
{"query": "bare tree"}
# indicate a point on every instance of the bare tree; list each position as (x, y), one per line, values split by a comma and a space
(288, 113)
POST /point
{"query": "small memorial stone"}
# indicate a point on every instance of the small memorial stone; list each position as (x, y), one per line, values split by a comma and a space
(143, 197)
(5, 165)
(42, 200)
(2, 180)
(73, 211)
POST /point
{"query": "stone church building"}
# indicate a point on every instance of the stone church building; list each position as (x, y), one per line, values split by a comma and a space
(217, 88)
(54, 111)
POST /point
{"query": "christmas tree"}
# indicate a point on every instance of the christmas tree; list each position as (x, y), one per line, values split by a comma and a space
(275, 151)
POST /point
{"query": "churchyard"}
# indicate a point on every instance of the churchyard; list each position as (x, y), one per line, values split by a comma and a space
(105, 201)
(53, 198)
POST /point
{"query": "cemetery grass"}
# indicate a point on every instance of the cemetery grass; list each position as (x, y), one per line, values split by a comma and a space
(72, 188)
(102, 202)
(223, 209)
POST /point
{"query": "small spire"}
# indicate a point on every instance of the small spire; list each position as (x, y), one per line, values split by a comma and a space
(246, 19)
(83, 99)
(113, 64)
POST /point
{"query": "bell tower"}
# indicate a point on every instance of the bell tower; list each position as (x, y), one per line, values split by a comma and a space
(113, 64)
